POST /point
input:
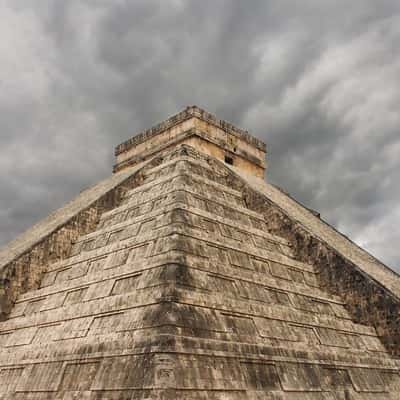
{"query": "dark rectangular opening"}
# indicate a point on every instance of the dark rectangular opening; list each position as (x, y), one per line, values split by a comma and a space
(229, 160)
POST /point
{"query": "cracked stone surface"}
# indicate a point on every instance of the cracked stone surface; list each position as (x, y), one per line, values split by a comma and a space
(199, 282)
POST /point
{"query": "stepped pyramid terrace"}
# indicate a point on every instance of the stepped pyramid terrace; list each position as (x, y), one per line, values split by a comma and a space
(186, 275)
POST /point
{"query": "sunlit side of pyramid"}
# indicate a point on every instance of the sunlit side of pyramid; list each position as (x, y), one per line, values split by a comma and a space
(186, 276)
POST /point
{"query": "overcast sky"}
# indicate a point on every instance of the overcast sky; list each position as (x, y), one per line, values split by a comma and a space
(318, 81)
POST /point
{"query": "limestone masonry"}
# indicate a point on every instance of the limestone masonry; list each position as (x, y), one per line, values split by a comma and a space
(186, 276)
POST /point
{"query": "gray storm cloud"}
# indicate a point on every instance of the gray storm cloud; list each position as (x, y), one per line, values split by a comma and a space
(317, 81)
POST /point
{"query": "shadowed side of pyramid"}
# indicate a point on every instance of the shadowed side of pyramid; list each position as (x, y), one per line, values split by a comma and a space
(182, 291)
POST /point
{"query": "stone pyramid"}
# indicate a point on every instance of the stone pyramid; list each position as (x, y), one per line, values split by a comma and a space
(185, 275)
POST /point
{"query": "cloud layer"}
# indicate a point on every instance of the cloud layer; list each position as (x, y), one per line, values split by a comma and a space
(318, 81)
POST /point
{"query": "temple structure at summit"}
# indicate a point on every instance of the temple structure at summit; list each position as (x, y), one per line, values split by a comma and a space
(186, 275)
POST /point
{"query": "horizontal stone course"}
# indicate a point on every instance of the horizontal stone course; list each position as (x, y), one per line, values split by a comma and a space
(191, 293)
(189, 112)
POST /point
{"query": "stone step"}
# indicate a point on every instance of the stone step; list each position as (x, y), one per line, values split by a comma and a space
(252, 285)
(106, 343)
(200, 219)
(191, 179)
(248, 314)
(179, 180)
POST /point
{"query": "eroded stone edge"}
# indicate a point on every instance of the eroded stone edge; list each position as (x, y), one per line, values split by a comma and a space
(23, 260)
(370, 289)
